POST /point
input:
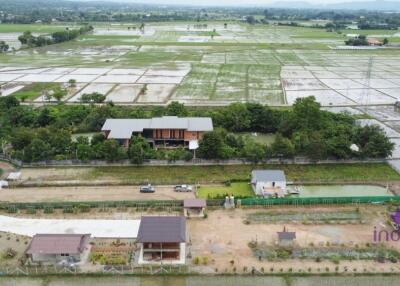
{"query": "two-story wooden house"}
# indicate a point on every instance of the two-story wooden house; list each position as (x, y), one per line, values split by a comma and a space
(166, 131)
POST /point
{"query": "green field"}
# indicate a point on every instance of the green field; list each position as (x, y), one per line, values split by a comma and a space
(265, 139)
(32, 91)
(219, 174)
(34, 28)
(235, 189)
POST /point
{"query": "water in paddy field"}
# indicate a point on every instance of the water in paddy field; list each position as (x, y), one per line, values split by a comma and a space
(204, 281)
(342, 191)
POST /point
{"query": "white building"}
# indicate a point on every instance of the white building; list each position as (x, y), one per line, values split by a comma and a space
(162, 240)
(269, 183)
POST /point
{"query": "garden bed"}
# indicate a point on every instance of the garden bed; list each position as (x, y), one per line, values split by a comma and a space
(304, 217)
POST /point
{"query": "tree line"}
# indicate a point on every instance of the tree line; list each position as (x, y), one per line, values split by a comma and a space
(52, 132)
(28, 39)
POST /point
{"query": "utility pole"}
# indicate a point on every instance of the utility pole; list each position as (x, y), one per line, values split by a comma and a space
(365, 97)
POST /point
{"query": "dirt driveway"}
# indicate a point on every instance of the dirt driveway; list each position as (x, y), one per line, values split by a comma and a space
(223, 238)
(91, 193)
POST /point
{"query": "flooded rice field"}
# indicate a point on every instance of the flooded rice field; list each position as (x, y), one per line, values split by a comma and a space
(203, 281)
(342, 191)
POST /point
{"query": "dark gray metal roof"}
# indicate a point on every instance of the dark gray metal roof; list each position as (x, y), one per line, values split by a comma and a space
(123, 128)
(162, 229)
(286, 235)
(267, 176)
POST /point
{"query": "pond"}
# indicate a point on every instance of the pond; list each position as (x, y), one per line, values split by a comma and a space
(203, 281)
(341, 191)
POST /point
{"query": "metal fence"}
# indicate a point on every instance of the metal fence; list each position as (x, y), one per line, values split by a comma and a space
(319, 201)
(175, 205)
(105, 270)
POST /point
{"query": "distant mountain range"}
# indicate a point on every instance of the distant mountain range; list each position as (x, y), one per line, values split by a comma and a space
(362, 5)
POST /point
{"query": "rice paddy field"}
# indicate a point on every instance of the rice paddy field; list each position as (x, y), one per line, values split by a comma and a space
(204, 65)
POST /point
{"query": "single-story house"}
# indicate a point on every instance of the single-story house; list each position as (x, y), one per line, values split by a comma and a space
(194, 207)
(52, 248)
(162, 240)
(269, 183)
(286, 238)
(166, 131)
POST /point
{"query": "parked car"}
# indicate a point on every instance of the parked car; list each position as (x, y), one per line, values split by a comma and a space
(147, 189)
(183, 188)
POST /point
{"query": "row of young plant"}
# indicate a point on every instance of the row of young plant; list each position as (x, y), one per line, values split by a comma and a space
(71, 207)
(331, 253)
(42, 133)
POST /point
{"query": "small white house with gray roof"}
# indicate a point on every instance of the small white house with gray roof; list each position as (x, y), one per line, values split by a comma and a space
(269, 183)
(166, 131)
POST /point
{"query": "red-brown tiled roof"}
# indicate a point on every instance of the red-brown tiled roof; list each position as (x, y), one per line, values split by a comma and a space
(58, 243)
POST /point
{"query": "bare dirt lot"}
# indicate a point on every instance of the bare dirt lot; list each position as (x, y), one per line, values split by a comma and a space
(97, 193)
(17, 243)
(223, 238)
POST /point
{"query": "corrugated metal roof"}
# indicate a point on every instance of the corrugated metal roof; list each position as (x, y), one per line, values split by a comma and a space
(200, 124)
(158, 229)
(123, 128)
(169, 122)
(194, 203)
(286, 235)
(58, 243)
(267, 176)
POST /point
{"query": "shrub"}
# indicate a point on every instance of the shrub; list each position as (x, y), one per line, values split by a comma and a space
(31, 210)
(68, 209)
(335, 259)
(205, 260)
(48, 210)
(196, 260)
(9, 253)
(283, 254)
(12, 209)
(84, 208)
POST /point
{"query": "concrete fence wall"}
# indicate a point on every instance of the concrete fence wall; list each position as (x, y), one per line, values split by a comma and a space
(195, 162)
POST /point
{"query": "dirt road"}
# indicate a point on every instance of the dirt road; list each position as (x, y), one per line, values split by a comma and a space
(98, 193)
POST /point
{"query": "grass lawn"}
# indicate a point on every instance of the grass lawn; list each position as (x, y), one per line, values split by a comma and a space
(33, 90)
(235, 189)
(34, 28)
(219, 174)
(262, 138)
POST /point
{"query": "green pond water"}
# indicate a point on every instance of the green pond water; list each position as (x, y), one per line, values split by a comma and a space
(342, 191)
(203, 281)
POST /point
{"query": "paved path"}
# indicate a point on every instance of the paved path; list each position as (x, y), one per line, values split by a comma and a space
(96, 227)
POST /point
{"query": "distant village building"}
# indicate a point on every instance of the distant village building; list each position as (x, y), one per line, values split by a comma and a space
(162, 240)
(52, 248)
(286, 238)
(269, 183)
(166, 131)
(194, 207)
(374, 42)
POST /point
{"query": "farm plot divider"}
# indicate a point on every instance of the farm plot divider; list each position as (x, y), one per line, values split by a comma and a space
(320, 201)
(86, 206)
